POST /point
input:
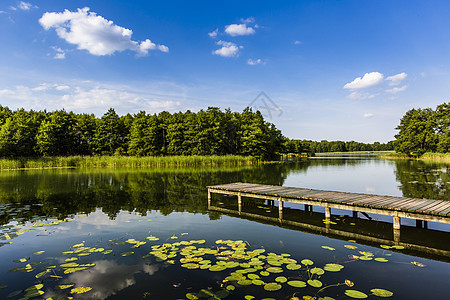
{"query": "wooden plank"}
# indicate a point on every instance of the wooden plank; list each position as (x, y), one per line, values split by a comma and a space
(433, 206)
(446, 210)
(439, 207)
(403, 204)
(420, 205)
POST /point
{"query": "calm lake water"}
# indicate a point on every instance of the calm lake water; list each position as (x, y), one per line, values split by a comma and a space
(148, 234)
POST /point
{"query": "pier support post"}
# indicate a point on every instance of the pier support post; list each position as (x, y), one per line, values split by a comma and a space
(280, 209)
(209, 198)
(239, 202)
(355, 214)
(425, 224)
(396, 221)
(327, 212)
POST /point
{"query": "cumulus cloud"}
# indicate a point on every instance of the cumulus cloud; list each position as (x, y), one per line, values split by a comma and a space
(214, 33)
(253, 62)
(368, 80)
(91, 32)
(228, 49)
(297, 42)
(368, 115)
(395, 90)
(88, 97)
(239, 29)
(397, 79)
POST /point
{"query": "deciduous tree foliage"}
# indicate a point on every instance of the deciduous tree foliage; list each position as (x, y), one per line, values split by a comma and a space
(207, 132)
(424, 130)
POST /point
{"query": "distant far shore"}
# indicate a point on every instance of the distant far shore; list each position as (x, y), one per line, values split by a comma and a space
(425, 156)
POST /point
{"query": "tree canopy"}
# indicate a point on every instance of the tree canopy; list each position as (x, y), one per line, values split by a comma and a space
(424, 130)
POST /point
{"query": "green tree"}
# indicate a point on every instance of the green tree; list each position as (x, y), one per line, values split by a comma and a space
(416, 132)
(442, 116)
(109, 135)
(56, 135)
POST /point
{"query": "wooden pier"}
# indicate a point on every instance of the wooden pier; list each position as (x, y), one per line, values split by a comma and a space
(422, 210)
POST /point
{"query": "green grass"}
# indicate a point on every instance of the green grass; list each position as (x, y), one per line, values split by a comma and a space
(357, 152)
(425, 156)
(122, 161)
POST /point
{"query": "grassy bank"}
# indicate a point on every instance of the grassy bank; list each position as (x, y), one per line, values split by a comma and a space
(356, 153)
(425, 156)
(122, 161)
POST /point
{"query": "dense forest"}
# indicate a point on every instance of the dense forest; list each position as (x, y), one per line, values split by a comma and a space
(424, 130)
(312, 147)
(211, 132)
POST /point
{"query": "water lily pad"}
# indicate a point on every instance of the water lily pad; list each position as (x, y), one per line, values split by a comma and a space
(385, 247)
(191, 266)
(382, 293)
(274, 270)
(258, 282)
(38, 252)
(297, 283)
(328, 248)
(264, 273)
(315, 283)
(271, 287)
(293, 267)
(3, 286)
(80, 290)
(317, 271)
(249, 297)
(333, 267)
(350, 247)
(307, 262)
(127, 253)
(21, 260)
(64, 286)
(71, 259)
(245, 282)
(217, 268)
(355, 294)
(281, 279)
(231, 287)
(15, 293)
(253, 276)
(107, 252)
(381, 259)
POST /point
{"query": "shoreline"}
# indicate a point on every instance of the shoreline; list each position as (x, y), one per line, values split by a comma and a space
(75, 162)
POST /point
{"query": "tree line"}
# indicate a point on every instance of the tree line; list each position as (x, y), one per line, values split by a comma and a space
(207, 132)
(424, 130)
(311, 147)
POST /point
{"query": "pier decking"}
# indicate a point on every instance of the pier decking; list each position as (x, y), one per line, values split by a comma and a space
(397, 207)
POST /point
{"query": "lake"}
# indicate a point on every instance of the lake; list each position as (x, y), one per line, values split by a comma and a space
(148, 234)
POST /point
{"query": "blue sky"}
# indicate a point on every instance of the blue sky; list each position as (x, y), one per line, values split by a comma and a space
(335, 70)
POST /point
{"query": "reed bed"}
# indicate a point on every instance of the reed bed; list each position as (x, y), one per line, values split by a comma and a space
(122, 161)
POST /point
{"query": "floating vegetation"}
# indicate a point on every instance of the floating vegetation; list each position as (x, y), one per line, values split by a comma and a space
(237, 265)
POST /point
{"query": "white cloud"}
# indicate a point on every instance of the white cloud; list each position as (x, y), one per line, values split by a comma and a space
(248, 20)
(25, 5)
(356, 95)
(368, 80)
(94, 33)
(397, 89)
(239, 29)
(297, 42)
(60, 53)
(228, 49)
(253, 62)
(214, 33)
(397, 79)
(88, 97)
(368, 115)
(62, 87)
(12, 8)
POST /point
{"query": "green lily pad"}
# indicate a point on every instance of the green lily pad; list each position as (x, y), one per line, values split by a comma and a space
(3, 286)
(264, 273)
(38, 252)
(191, 296)
(231, 287)
(15, 293)
(127, 253)
(217, 268)
(328, 248)
(273, 286)
(315, 283)
(381, 259)
(107, 252)
(297, 283)
(65, 286)
(355, 294)
(258, 282)
(382, 293)
(293, 267)
(245, 282)
(307, 262)
(350, 247)
(249, 297)
(274, 270)
(317, 271)
(191, 266)
(281, 279)
(333, 267)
